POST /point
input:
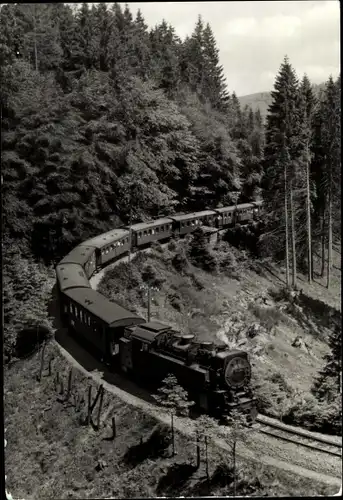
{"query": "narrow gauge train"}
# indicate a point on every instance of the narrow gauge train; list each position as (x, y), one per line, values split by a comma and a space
(218, 379)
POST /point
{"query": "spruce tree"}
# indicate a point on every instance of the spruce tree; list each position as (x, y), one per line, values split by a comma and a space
(307, 104)
(327, 384)
(214, 84)
(280, 159)
(326, 164)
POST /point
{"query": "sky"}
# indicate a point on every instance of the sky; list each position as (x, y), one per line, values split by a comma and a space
(253, 37)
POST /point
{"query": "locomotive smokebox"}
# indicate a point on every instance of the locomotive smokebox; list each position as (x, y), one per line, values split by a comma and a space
(237, 372)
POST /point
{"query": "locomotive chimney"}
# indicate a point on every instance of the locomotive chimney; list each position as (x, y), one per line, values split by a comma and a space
(186, 339)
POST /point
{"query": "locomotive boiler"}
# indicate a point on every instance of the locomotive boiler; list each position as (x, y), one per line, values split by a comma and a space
(216, 378)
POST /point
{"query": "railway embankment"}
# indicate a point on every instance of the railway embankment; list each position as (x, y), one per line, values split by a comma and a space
(54, 438)
(52, 452)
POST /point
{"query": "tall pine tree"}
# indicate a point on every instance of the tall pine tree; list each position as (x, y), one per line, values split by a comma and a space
(281, 156)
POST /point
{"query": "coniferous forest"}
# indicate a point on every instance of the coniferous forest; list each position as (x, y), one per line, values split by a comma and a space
(106, 122)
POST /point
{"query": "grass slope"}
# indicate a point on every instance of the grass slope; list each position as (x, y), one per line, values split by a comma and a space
(242, 304)
(50, 454)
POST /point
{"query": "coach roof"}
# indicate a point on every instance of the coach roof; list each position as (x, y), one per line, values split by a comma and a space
(71, 275)
(79, 255)
(109, 312)
(225, 209)
(105, 238)
(194, 215)
(152, 223)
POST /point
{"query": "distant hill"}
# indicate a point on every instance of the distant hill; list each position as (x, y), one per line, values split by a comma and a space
(262, 100)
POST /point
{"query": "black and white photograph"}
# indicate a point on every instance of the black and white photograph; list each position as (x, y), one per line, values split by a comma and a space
(171, 249)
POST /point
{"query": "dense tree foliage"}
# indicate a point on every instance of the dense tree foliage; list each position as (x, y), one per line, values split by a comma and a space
(327, 387)
(301, 171)
(104, 120)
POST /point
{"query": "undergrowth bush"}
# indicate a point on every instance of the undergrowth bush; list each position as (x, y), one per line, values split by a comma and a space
(317, 416)
(269, 317)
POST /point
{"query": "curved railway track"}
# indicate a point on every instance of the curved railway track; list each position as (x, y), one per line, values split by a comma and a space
(299, 437)
(278, 431)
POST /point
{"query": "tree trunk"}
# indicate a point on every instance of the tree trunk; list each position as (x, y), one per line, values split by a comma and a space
(234, 467)
(293, 238)
(172, 429)
(35, 37)
(329, 261)
(309, 238)
(323, 242)
(286, 228)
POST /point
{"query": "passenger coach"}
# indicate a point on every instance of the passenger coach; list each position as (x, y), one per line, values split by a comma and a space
(147, 232)
(109, 246)
(184, 224)
(97, 319)
(84, 255)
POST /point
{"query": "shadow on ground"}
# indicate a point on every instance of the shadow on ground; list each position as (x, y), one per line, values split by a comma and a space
(155, 446)
(176, 479)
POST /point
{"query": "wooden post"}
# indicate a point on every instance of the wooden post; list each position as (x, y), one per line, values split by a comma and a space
(149, 302)
(114, 431)
(206, 455)
(57, 381)
(100, 405)
(41, 363)
(50, 361)
(89, 405)
(69, 383)
(198, 451)
(96, 398)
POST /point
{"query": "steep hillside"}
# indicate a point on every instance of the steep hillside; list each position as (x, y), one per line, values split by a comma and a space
(242, 302)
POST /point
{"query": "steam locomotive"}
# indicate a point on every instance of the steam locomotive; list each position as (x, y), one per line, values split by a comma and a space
(216, 378)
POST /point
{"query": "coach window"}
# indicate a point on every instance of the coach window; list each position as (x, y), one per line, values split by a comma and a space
(144, 347)
(89, 321)
(157, 230)
(139, 235)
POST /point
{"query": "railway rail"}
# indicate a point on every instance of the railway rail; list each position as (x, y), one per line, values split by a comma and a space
(297, 436)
